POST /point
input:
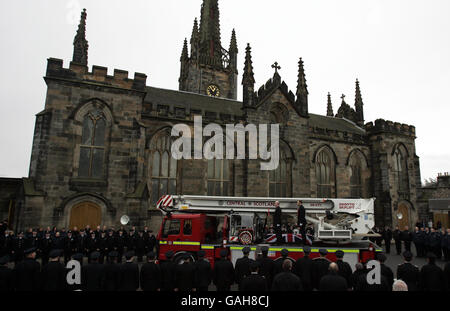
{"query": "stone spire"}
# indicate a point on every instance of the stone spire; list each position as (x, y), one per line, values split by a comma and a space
(210, 42)
(185, 53)
(302, 91)
(248, 79)
(359, 105)
(233, 51)
(330, 112)
(194, 40)
(80, 44)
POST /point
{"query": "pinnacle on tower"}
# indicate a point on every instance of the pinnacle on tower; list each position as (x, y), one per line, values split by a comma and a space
(80, 44)
(194, 40)
(248, 79)
(302, 90)
(359, 105)
(185, 53)
(330, 112)
(233, 43)
(210, 42)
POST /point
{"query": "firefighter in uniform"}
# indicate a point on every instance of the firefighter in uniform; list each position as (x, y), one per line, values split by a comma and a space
(278, 267)
(266, 266)
(28, 272)
(53, 274)
(409, 273)
(385, 270)
(112, 270)
(168, 273)
(185, 275)
(150, 275)
(129, 274)
(398, 241)
(277, 222)
(303, 269)
(333, 281)
(92, 274)
(223, 273)
(406, 237)
(242, 267)
(344, 268)
(254, 282)
(431, 276)
(6, 275)
(320, 267)
(301, 220)
(286, 280)
(202, 273)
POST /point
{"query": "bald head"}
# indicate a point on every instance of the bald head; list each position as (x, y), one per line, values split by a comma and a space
(399, 286)
(333, 267)
(287, 265)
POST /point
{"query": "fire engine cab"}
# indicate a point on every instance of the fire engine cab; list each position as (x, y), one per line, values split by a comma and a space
(193, 223)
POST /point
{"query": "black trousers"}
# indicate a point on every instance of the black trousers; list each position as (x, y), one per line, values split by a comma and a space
(278, 233)
(398, 246)
(388, 246)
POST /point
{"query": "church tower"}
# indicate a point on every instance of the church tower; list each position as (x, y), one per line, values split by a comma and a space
(209, 69)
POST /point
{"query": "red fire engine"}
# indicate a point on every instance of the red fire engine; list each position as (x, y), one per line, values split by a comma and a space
(193, 223)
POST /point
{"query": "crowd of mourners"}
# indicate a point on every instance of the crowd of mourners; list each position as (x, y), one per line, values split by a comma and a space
(113, 260)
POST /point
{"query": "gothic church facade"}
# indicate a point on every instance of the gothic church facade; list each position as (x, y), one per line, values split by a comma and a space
(101, 146)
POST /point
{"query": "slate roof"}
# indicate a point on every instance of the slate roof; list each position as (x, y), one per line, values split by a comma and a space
(193, 101)
(332, 123)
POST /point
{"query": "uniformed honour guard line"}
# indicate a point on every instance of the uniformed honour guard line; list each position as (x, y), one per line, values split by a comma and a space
(213, 148)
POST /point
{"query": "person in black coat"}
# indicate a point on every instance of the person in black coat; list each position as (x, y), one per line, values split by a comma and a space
(278, 264)
(287, 281)
(397, 239)
(203, 273)
(303, 269)
(223, 273)
(111, 273)
(92, 245)
(357, 276)
(301, 220)
(119, 245)
(409, 273)
(129, 274)
(277, 222)
(363, 285)
(92, 275)
(46, 247)
(320, 268)
(6, 275)
(266, 266)
(447, 274)
(333, 282)
(418, 241)
(387, 237)
(185, 275)
(406, 237)
(18, 247)
(344, 268)
(53, 274)
(70, 247)
(28, 272)
(102, 247)
(254, 282)
(242, 266)
(150, 275)
(140, 246)
(446, 245)
(431, 276)
(168, 270)
(81, 243)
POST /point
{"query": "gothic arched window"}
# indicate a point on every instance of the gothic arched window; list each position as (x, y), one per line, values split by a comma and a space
(325, 174)
(280, 179)
(219, 177)
(401, 170)
(356, 177)
(92, 148)
(163, 168)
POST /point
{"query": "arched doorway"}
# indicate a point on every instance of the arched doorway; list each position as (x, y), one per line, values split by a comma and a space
(403, 215)
(86, 213)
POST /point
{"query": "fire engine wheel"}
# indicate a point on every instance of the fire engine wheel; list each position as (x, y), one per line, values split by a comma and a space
(179, 258)
(245, 238)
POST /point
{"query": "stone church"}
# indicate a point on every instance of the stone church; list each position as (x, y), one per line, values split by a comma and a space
(102, 143)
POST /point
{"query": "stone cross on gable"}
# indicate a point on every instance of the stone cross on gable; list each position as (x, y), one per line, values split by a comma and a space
(343, 97)
(276, 67)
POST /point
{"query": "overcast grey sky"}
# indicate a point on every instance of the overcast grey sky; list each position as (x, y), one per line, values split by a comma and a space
(399, 50)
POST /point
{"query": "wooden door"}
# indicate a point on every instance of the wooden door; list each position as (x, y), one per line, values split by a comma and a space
(443, 218)
(84, 214)
(404, 210)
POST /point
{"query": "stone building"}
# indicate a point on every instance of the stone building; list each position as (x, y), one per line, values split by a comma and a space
(435, 198)
(102, 143)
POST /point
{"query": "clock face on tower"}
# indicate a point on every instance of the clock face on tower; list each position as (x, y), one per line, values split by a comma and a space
(213, 91)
